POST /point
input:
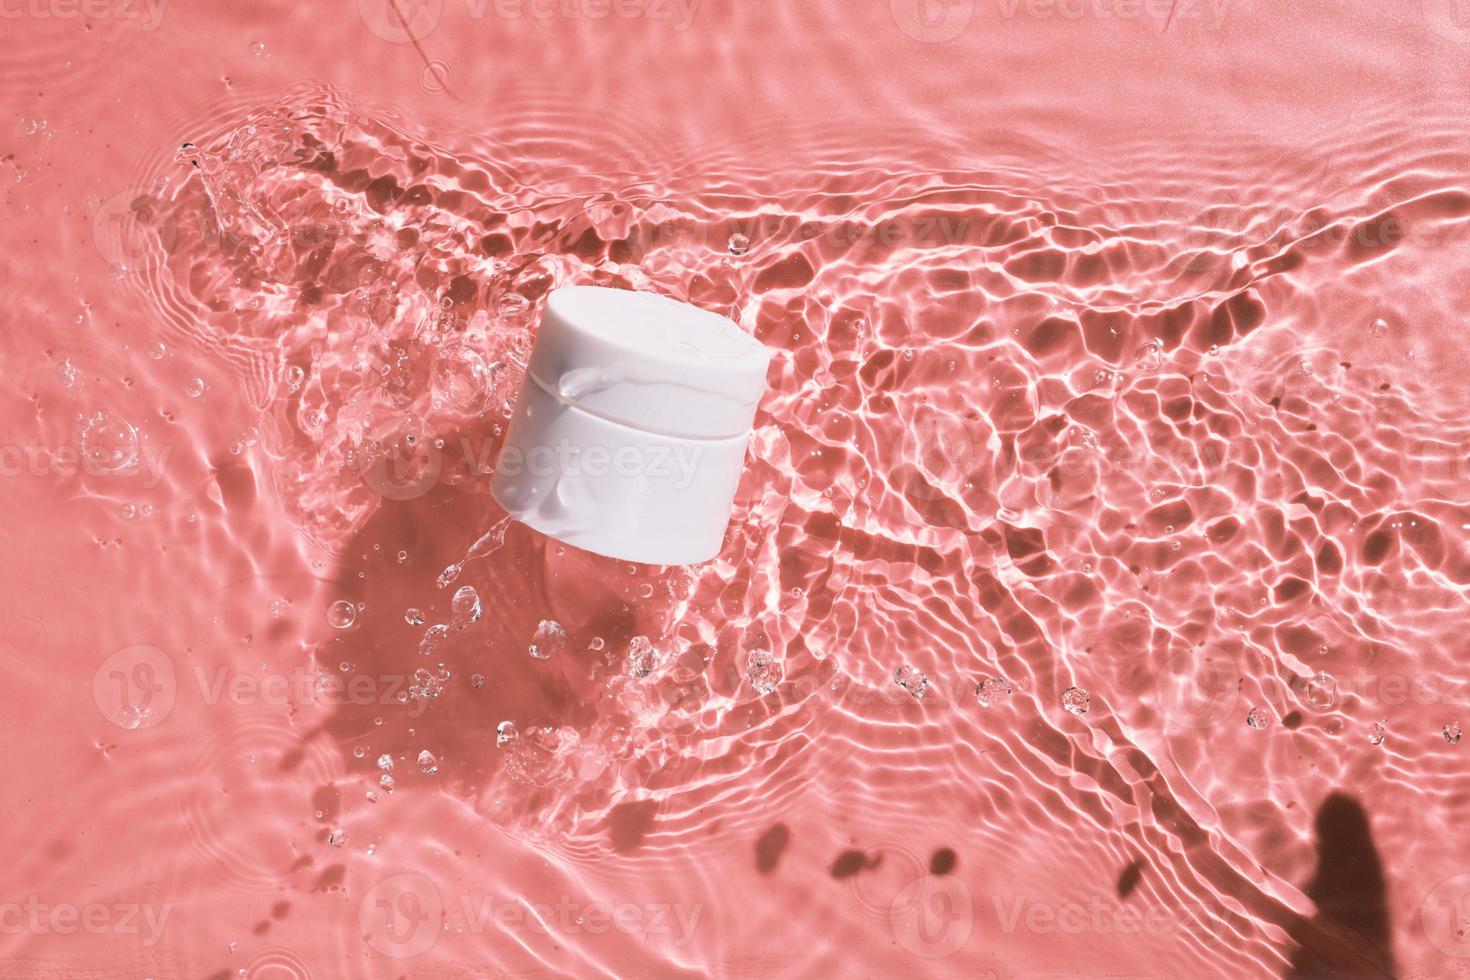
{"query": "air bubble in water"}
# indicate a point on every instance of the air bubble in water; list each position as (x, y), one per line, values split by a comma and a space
(257, 48)
(109, 443)
(465, 606)
(194, 387)
(1377, 733)
(911, 680)
(450, 573)
(992, 691)
(477, 680)
(428, 765)
(385, 762)
(1378, 329)
(156, 350)
(738, 244)
(1076, 700)
(642, 657)
(341, 614)
(1452, 732)
(337, 837)
(763, 671)
(413, 617)
(1258, 719)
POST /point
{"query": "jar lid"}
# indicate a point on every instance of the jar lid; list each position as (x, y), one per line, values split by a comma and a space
(649, 362)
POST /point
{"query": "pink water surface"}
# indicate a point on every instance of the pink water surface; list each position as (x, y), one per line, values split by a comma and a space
(1119, 374)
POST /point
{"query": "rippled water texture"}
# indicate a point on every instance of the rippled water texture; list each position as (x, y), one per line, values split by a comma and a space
(1095, 597)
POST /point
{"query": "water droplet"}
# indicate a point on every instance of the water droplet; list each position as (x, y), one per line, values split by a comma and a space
(1149, 357)
(128, 511)
(642, 657)
(763, 671)
(447, 576)
(1319, 691)
(341, 614)
(465, 606)
(337, 837)
(1377, 733)
(413, 617)
(505, 733)
(257, 48)
(428, 765)
(911, 680)
(992, 691)
(432, 636)
(477, 680)
(1378, 329)
(738, 244)
(156, 350)
(386, 781)
(194, 387)
(1452, 732)
(1259, 719)
(1076, 700)
(549, 637)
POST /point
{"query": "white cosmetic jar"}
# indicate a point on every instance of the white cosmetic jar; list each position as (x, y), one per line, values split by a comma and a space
(629, 435)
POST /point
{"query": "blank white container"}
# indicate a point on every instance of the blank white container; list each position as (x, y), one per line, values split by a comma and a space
(629, 435)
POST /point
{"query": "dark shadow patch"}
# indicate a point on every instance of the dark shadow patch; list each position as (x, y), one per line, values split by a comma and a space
(1349, 935)
(942, 861)
(1292, 720)
(331, 878)
(769, 848)
(849, 863)
(1129, 879)
(629, 822)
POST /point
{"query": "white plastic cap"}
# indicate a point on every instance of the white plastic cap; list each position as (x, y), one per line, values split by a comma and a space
(629, 436)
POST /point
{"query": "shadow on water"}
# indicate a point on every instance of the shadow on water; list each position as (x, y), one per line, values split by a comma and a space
(1349, 935)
